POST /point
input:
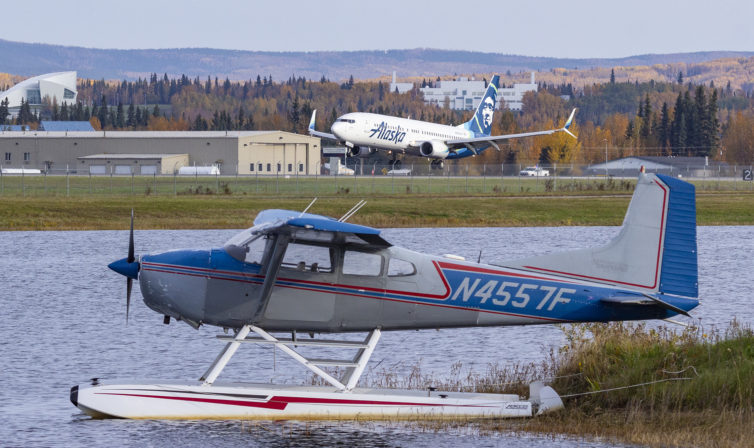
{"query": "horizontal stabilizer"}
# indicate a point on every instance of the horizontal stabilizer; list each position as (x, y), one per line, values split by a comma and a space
(644, 299)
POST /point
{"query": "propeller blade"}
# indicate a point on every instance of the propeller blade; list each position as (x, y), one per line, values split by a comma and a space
(131, 257)
(129, 285)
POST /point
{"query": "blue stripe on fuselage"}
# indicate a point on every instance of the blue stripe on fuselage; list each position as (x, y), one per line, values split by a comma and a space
(524, 296)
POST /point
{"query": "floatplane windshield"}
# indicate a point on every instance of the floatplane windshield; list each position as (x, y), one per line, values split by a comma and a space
(303, 273)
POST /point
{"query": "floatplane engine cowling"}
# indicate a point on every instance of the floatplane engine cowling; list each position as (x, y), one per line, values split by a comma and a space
(434, 149)
(362, 151)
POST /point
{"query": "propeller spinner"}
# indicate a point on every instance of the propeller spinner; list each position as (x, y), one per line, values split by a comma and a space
(128, 266)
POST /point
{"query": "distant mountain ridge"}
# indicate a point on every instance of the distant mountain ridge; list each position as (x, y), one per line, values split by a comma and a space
(29, 59)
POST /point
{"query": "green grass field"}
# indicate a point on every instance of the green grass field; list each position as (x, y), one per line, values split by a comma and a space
(83, 202)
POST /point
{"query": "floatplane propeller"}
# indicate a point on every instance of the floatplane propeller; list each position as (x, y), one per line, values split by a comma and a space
(128, 266)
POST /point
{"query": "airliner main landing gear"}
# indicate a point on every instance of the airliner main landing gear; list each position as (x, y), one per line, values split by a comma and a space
(437, 164)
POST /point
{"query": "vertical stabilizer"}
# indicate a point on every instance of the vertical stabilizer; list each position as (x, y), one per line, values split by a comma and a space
(655, 250)
(481, 123)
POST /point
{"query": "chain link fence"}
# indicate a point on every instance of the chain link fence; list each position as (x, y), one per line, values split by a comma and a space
(370, 179)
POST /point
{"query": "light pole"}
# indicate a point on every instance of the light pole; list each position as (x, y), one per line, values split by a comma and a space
(606, 175)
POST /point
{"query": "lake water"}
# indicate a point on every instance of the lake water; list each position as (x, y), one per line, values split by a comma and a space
(63, 322)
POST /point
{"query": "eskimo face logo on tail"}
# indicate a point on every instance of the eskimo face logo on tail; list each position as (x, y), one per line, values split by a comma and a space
(382, 132)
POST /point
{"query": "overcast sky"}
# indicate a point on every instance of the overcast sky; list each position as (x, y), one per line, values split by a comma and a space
(571, 29)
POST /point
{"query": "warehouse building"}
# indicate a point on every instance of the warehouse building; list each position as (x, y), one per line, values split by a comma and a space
(233, 152)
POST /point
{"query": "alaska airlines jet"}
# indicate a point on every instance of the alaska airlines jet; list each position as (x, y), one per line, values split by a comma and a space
(365, 133)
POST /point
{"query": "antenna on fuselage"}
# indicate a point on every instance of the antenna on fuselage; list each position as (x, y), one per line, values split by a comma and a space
(353, 210)
(308, 207)
(479, 259)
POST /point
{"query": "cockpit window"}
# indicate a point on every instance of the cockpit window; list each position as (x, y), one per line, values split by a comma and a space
(345, 120)
(362, 263)
(303, 257)
(249, 251)
(400, 268)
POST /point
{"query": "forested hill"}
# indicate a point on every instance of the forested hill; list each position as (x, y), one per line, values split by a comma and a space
(27, 59)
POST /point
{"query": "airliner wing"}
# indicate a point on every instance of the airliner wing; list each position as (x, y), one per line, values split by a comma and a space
(472, 142)
(316, 133)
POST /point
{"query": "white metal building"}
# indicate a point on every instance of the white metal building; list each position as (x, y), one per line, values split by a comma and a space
(466, 94)
(60, 85)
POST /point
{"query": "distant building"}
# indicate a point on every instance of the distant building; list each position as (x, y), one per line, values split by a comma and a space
(465, 94)
(65, 126)
(671, 165)
(160, 152)
(60, 85)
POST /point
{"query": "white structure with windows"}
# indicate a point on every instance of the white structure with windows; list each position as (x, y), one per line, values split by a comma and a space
(465, 94)
(60, 85)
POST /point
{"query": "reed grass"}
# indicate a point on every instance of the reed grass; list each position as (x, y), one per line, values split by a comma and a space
(695, 387)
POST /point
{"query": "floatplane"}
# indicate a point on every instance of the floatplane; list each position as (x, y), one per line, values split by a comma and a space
(299, 273)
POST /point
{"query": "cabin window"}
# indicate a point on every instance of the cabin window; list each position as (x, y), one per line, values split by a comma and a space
(306, 258)
(400, 268)
(362, 263)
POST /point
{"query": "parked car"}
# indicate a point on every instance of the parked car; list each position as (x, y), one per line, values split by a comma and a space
(534, 171)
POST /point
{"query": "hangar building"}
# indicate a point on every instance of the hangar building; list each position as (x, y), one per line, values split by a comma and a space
(234, 152)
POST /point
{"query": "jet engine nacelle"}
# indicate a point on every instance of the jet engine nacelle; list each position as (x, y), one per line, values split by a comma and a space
(435, 149)
(362, 151)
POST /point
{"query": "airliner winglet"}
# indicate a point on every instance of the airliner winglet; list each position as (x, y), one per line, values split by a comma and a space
(316, 133)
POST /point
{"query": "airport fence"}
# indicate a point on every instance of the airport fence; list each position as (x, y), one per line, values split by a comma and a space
(369, 179)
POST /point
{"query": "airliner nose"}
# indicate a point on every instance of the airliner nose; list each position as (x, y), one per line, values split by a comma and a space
(123, 267)
(337, 129)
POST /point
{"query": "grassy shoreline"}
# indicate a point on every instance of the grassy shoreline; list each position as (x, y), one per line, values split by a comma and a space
(233, 211)
(693, 388)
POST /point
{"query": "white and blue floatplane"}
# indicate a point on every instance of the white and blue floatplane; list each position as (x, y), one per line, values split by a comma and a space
(298, 273)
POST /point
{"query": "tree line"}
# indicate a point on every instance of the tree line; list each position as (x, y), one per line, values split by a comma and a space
(626, 118)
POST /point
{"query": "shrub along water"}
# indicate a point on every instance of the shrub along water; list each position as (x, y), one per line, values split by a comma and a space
(626, 382)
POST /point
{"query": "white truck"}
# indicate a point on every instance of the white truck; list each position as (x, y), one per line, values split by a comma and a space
(534, 171)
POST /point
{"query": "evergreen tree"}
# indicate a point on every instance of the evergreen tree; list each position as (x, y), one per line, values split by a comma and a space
(612, 76)
(131, 116)
(4, 110)
(663, 134)
(680, 77)
(64, 115)
(120, 116)
(294, 115)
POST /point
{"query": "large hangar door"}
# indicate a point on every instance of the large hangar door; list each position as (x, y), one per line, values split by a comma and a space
(122, 169)
(97, 169)
(148, 170)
